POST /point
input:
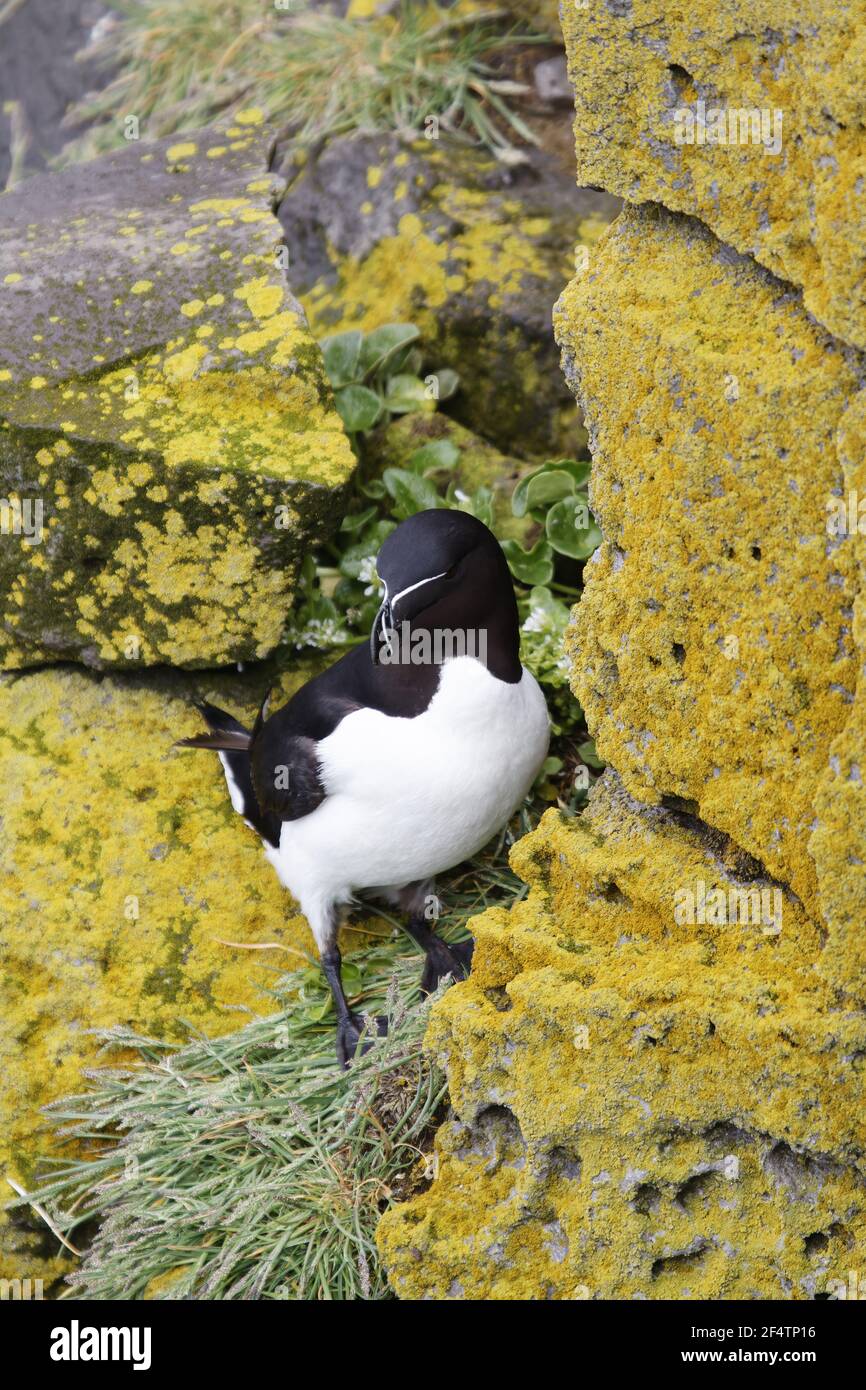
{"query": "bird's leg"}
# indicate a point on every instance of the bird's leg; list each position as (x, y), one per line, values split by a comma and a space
(442, 957)
(350, 1026)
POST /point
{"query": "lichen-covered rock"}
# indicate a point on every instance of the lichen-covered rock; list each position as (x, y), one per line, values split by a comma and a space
(713, 649)
(839, 835)
(128, 890)
(472, 252)
(644, 1107)
(657, 1065)
(169, 446)
(786, 185)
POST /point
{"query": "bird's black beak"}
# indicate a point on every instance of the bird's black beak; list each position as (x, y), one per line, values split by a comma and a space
(381, 629)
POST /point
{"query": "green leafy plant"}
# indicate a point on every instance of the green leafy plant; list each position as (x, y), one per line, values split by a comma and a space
(554, 495)
(339, 591)
(181, 63)
(376, 376)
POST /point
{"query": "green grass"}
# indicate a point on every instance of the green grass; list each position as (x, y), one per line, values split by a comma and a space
(250, 1166)
(181, 63)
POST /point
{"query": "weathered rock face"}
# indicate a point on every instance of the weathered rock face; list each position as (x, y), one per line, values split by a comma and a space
(470, 251)
(657, 1066)
(643, 1109)
(126, 877)
(713, 651)
(42, 73)
(168, 442)
(793, 78)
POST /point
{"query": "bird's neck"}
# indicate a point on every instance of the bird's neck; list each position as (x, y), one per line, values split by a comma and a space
(492, 637)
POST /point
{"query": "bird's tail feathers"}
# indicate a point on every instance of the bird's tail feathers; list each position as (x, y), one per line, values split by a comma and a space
(228, 740)
(226, 734)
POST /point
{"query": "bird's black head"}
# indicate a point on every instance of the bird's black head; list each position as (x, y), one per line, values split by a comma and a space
(444, 573)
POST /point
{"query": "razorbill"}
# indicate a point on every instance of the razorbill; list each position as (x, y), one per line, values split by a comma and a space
(403, 758)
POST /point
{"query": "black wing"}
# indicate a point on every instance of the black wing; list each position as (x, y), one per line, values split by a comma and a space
(285, 769)
(276, 767)
(233, 742)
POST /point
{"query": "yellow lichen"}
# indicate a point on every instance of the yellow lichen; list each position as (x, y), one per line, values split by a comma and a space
(803, 169)
(129, 855)
(643, 1108)
(713, 649)
(184, 150)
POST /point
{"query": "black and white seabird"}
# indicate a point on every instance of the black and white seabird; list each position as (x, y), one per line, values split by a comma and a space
(403, 758)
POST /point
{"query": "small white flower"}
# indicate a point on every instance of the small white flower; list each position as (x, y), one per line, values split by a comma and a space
(536, 622)
(320, 632)
(367, 574)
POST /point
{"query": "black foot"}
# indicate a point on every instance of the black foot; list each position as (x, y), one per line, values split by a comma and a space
(443, 958)
(349, 1034)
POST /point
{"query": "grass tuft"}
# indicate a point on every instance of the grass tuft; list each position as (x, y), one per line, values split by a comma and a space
(250, 1166)
(181, 63)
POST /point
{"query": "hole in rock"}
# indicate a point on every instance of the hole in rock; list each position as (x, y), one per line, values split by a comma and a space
(680, 77)
(496, 1137)
(646, 1198)
(816, 1242)
(680, 1263)
(564, 1162)
(695, 1186)
(794, 1170)
(498, 997)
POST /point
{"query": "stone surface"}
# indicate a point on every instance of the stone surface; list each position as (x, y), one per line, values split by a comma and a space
(472, 252)
(551, 81)
(42, 74)
(129, 889)
(161, 399)
(800, 212)
(657, 1064)
(642, 1109)
(713, 650)
(837, 841)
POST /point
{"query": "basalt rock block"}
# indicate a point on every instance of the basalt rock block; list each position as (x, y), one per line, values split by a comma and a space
(753, 120)
(169, 448)
(713, 649)
(471, 251)
(647, 1103)
(130, 892)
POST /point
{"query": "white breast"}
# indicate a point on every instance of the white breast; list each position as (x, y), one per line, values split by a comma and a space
(409, 798)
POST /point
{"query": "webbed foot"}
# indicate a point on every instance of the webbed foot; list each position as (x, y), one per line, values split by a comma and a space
(349, 1031)
(446, 958)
